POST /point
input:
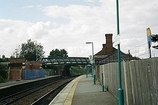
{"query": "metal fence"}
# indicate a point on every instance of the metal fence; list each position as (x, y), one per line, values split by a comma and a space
(139, 80)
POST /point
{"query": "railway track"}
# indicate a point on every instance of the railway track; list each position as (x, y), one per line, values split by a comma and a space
(35, 95)
(47, 98)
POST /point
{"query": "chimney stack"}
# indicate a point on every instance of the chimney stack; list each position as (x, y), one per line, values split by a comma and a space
(107, 47)
(109, 39)
(109, 43)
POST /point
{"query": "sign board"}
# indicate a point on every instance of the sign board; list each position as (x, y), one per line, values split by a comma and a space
(117, 40)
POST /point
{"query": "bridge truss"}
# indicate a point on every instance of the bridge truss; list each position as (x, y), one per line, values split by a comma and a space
(66, 61)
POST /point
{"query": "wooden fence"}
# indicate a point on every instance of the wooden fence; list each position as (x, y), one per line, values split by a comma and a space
(139, 80)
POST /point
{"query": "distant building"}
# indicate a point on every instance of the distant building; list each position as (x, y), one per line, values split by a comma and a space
(109, 53)
(19, 69)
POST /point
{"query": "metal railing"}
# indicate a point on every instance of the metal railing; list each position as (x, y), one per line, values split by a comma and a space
(65, 60)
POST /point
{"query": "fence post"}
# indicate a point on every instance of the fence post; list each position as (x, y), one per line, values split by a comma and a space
(102, 82)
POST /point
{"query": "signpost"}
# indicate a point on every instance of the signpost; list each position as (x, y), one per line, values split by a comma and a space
(149, 40)
(93, 62)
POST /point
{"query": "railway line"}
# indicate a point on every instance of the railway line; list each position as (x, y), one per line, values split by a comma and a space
(47, 98)
(34, 92)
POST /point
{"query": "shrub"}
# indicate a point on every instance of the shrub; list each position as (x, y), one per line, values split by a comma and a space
(75, 70)
(3, 71)
(2, 79)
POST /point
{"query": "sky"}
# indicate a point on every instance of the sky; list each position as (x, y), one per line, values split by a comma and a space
(69, 24)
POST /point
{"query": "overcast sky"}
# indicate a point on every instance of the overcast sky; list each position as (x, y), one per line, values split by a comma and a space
(69, 24)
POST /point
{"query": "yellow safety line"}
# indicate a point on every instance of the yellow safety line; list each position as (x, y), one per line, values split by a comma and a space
(69, 98)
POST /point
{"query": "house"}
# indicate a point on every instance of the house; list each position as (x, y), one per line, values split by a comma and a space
(109, 54)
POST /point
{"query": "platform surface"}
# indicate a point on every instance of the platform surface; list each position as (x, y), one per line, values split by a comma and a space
(16, 82)
(82, 91)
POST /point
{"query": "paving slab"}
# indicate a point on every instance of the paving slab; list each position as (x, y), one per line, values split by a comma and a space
(82, 91)
(87, 93)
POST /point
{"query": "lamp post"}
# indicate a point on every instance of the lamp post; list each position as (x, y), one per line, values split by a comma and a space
(120, 90)
(93, 62)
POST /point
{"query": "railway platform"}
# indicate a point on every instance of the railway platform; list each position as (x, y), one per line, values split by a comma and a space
(82, 91)
(16, 82)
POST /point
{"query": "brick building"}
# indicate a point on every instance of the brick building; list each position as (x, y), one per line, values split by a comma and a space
(109, 54)
(107, 49)
(19, 68)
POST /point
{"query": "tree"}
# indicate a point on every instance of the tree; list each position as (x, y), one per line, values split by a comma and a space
(3, 72)
(3, 69)
(4, 59)
(76, 70)
(31, 51)
(58, 53)
(154, 38)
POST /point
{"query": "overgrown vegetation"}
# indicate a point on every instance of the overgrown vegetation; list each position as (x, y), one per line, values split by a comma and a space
(31, 51)
(58, 53)
(75, 70)
(154, 38)
(2, 79)
(3, 72)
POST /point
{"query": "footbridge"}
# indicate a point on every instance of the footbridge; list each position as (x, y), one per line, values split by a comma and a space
(62, 65)
(65, 61)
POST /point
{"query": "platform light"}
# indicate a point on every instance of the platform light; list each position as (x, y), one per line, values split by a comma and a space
(93, 62)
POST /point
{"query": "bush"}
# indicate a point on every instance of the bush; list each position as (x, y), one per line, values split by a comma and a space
(75, 70)
(2, 79)
(3, 72)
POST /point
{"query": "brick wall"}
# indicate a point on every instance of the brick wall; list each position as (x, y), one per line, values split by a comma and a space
(15, 73)
(33, 65)
(109, 43)
(17, 65)
(17, 60)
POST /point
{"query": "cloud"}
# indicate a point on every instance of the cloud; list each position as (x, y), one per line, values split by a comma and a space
(85, 23)
(38, 30)
(91, 1)
(32, 6)
(84, 20)
(14, 32)
(29, 6)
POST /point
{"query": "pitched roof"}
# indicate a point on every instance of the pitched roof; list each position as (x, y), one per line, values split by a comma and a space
(106, 51)
(109, 52)
(107, 48)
